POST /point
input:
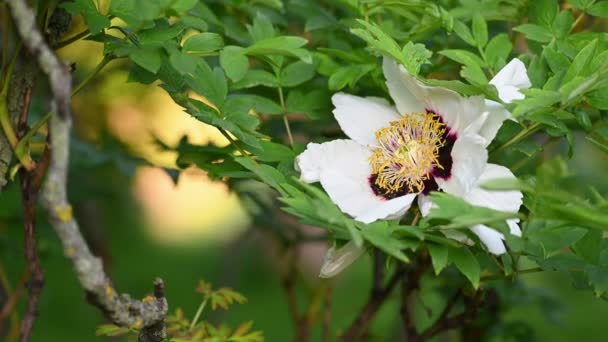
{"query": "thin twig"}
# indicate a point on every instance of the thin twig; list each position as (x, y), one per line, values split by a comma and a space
(29, 197)
(70, 40)
(106, 59)
(327, 314)
(29, 194)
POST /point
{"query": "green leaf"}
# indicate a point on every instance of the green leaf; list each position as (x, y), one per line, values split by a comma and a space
(463, 57)
(412, 56)
(563, 24)
(259, 103)
(256, 77)
(95, 21)
(149, 59)
(261, 29)
(296, 73)
(535, 32)
(590, 246)
(598, 98)
(380, 236)
(464, 32)
(160, 34)
(311, 104)
(348, 75)
(209, 83)
(543, 12)
(497, 50)
(581, 63)
(480, 30)
(273, 152)
(234, 62)
(204, 42)
(599, 9)
(183, 63)
(194, 22)
(439, 257)
(266, 173)
(556, 61)
(581, 4)
(474, 74)
(466, 263)
(598, 278)
(183, 5)
(283, 45)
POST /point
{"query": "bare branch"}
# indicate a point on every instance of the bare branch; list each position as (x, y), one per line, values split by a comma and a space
(147, 314)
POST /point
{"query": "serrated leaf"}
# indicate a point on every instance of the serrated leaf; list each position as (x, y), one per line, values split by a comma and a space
(95, 21)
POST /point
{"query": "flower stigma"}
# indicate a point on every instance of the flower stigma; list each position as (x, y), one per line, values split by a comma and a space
(407, 152)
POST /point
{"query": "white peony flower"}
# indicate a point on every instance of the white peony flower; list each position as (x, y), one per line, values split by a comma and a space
(433, 139)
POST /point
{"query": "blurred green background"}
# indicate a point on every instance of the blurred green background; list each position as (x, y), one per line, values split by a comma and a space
(144, 226)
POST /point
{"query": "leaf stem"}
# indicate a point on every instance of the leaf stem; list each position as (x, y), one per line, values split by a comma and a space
(500, 276)
(578, 20)
(106, 59)
(70, 40)
(199, 311)
(236, 145)
(285, 119)
(519, 137)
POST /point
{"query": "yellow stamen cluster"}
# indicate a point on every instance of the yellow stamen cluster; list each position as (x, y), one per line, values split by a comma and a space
(407, 152)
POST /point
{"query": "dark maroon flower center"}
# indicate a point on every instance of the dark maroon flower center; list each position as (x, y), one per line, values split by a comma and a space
(443, 170)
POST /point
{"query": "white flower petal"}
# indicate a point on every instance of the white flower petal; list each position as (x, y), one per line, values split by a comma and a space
(497, 114)
(510, 79)
(317, 157)
(457, 235)
(342, 167)
(351, 192)
(337, 259)
(411, 95)
(424, 204)
(508, 201)
(469, 157)
(361, 117)
(490, 238)
(388, 209)
(401, 87)
(514, 227)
